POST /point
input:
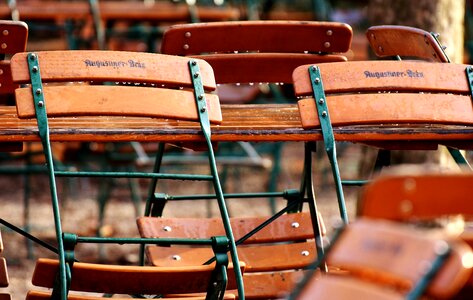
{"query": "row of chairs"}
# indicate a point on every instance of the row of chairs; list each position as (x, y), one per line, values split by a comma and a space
(175, 72)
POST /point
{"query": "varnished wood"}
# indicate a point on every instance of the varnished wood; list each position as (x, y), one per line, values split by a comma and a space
(420, 197)
(385, 76)
(393, 108)
(129, 279)
(115, 10)
(272, 256)
(115, 66)
(4, 281)
(280, 231)
(390, 254)
(392, 40)
(262, 36)
(272, 122)
(262, 67)
(13, 36)
(77, 100)
(37, 295)
(344, 288)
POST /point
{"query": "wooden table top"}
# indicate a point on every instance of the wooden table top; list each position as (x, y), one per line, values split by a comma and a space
(268, 122)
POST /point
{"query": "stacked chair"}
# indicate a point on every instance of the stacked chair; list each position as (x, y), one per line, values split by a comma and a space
(147, 73)
(258, 51)
(4, 281)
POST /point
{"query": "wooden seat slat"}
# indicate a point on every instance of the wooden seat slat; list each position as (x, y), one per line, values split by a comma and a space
(114, 100)
(115, 66)
(333, 37)
(4, 281)
(129, 279)
(384, 76)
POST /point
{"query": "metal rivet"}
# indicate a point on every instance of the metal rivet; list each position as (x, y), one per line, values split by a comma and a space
(444, 48)
(200, 97)
(314, 68)
(188, 34)
(305, 253)
(406, 207)
(33, 56)
(321, 101)
(5, 32)
(176, 257)
(295, 225)
(34, 69)
(441, 247)
(203, 109)
(437, 35)
(329, 32)
(324, 114)
(372, 36)
(327, 44)
(317, 80)
(196, 75)
(380, 49)
(167, 228)
(38, 91)
(215, 284)
(470, 69)
(186, 47)
(4, 46)
(40, 103)
(1, 72)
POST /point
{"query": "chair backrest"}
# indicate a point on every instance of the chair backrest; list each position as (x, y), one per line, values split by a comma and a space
(404, 41)
(386, 92)
(131, 280)
(417, 197)
(13, 39)
(273, 256)
(394, 257)
(258, 51)
(168, 91)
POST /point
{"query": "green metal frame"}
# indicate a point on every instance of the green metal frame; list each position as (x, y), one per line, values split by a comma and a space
(328, 136)
(61, 289)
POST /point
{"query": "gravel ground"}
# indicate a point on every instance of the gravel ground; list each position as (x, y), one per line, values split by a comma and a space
(80, 211)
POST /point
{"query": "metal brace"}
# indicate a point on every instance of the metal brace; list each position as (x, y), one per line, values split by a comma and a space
(200, 100)
(327, 134)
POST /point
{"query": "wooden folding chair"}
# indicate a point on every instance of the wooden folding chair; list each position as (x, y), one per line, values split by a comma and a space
(247, 53)
(4, 281)
(386, 104)
(404, 42)
(386, 260)
(273, 256)
(167, 87)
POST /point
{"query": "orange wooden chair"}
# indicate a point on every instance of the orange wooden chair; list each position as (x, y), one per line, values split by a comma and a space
(386, 260)
(4, 281)
(168, 87)
(274, 256)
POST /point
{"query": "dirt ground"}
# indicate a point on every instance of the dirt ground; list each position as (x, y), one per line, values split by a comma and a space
(79, 210)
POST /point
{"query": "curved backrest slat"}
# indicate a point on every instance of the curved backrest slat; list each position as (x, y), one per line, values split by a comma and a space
(397, 255)
(116, 279)
(262, 67)
(121, 66)
(390, 109)
(262, 36)
(392, 40)
(117, 100)
(384, 76)
(419, 197)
